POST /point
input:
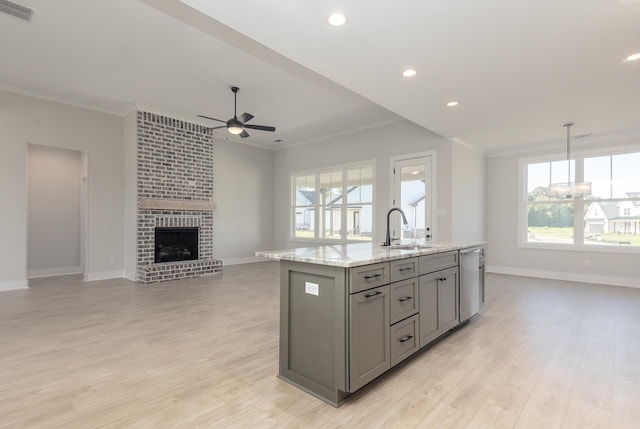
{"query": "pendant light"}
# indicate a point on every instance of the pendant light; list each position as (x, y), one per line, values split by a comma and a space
(569, 189)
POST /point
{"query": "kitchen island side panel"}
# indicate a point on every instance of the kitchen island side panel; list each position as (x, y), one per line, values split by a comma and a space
(313, 328)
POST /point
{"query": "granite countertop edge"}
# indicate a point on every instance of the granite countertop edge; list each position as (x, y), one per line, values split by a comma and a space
(357, 254)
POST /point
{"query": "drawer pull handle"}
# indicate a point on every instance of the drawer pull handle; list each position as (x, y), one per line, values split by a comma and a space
(369, 295)
(443, 279)
(405, 338)
(404, 270)
(405, 298)
(375, 276)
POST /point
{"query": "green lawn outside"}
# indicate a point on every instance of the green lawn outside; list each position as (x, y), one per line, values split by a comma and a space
(551, 231)
(547, 231)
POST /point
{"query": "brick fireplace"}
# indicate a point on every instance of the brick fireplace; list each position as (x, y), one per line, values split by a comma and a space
(175, 192)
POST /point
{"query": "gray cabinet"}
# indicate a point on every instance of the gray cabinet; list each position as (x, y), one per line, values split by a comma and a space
(369, 350)
(429, 309)
(439, 307)
(341, 328)
(404, 299)
(448, 295)
(368, 276)
(403, 269)
(405, 339)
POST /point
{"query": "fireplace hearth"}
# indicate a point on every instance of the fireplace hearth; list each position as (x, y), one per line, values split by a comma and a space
(176, 244)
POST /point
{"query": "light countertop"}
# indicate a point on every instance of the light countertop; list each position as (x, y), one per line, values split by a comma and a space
(356, 254)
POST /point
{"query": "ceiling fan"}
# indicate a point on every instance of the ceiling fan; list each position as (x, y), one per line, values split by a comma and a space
(237, 125)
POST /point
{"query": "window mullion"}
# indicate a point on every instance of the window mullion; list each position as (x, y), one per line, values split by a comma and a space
(578, 205)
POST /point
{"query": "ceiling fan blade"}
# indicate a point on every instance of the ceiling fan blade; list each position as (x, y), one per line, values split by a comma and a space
(217, 128)
(244, 134)
(260, 127)
(213, 119)
(245, 117)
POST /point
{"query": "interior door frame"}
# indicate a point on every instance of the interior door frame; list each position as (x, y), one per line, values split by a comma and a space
(434, 187)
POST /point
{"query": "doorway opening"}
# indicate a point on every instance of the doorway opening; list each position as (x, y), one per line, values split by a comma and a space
(56, 211)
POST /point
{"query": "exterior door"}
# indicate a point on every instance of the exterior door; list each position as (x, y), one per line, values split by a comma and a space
(412, 192)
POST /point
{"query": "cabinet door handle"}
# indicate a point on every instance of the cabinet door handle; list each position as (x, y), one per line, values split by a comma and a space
(443, 279)
(405, 338)
(405, 269)
(375, 276)
(369, 295)
(405, 298)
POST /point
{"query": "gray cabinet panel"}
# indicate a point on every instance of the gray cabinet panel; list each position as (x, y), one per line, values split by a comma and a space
(429, 309)
(369, 336)
(405, 339)
(368, 276)
(404, 299)
(438, 261)
(403, 269)
(313, 329)
(449, 302)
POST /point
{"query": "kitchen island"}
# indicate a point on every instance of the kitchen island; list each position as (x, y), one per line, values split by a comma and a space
(349, 313)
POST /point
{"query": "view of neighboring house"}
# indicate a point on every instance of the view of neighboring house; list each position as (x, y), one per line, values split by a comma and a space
(614, 217)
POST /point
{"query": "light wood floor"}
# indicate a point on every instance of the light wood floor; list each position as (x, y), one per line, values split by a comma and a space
(204, 354)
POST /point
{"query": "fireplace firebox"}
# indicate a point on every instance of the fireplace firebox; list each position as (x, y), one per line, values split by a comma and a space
(176, 244)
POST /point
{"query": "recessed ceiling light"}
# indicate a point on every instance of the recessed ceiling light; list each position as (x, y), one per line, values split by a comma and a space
(633, 57)
(414, 172)
(452, 104)
(337, 19)
(409, 73)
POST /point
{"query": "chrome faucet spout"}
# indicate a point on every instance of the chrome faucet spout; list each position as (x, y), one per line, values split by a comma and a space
(387, 241)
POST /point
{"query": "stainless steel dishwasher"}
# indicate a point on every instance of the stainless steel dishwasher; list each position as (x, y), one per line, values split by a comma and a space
(469, 282)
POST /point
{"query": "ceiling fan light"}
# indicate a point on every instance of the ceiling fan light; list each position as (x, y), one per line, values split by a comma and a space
(235, 129)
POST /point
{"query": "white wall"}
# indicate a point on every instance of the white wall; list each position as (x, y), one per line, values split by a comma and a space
(504, 255)
(380, 144)
(130, 160)
(30, 120)
(243, 192)
(54, 221)
(468, 205)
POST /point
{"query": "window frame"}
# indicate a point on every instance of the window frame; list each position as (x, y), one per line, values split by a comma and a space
(578, 244)
(318, 207)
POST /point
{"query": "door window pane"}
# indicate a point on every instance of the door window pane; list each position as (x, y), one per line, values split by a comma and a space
(413, 189)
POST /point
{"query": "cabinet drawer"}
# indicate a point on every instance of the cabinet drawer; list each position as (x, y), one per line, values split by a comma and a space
(439, 261)
(404, 339)
(368, 276)
(404, 299)
(403, 269)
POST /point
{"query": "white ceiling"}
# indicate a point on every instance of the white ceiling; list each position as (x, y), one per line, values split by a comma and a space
(519, 69)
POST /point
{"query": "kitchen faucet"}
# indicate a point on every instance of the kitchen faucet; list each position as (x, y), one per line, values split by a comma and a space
(387, 242)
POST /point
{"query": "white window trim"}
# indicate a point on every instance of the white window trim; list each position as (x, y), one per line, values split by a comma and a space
(317, 172)
(578, 245)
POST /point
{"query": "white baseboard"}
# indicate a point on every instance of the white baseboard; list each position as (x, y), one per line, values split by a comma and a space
(130, 275)
(572, 277)
(13, 285)
(103, 275)
(50, 272)
(246, 260)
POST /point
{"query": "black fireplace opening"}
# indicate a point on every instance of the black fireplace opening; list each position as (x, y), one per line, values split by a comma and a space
(176, 244)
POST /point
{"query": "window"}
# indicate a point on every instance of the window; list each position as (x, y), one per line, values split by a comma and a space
(610, 216)
(333, 204)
